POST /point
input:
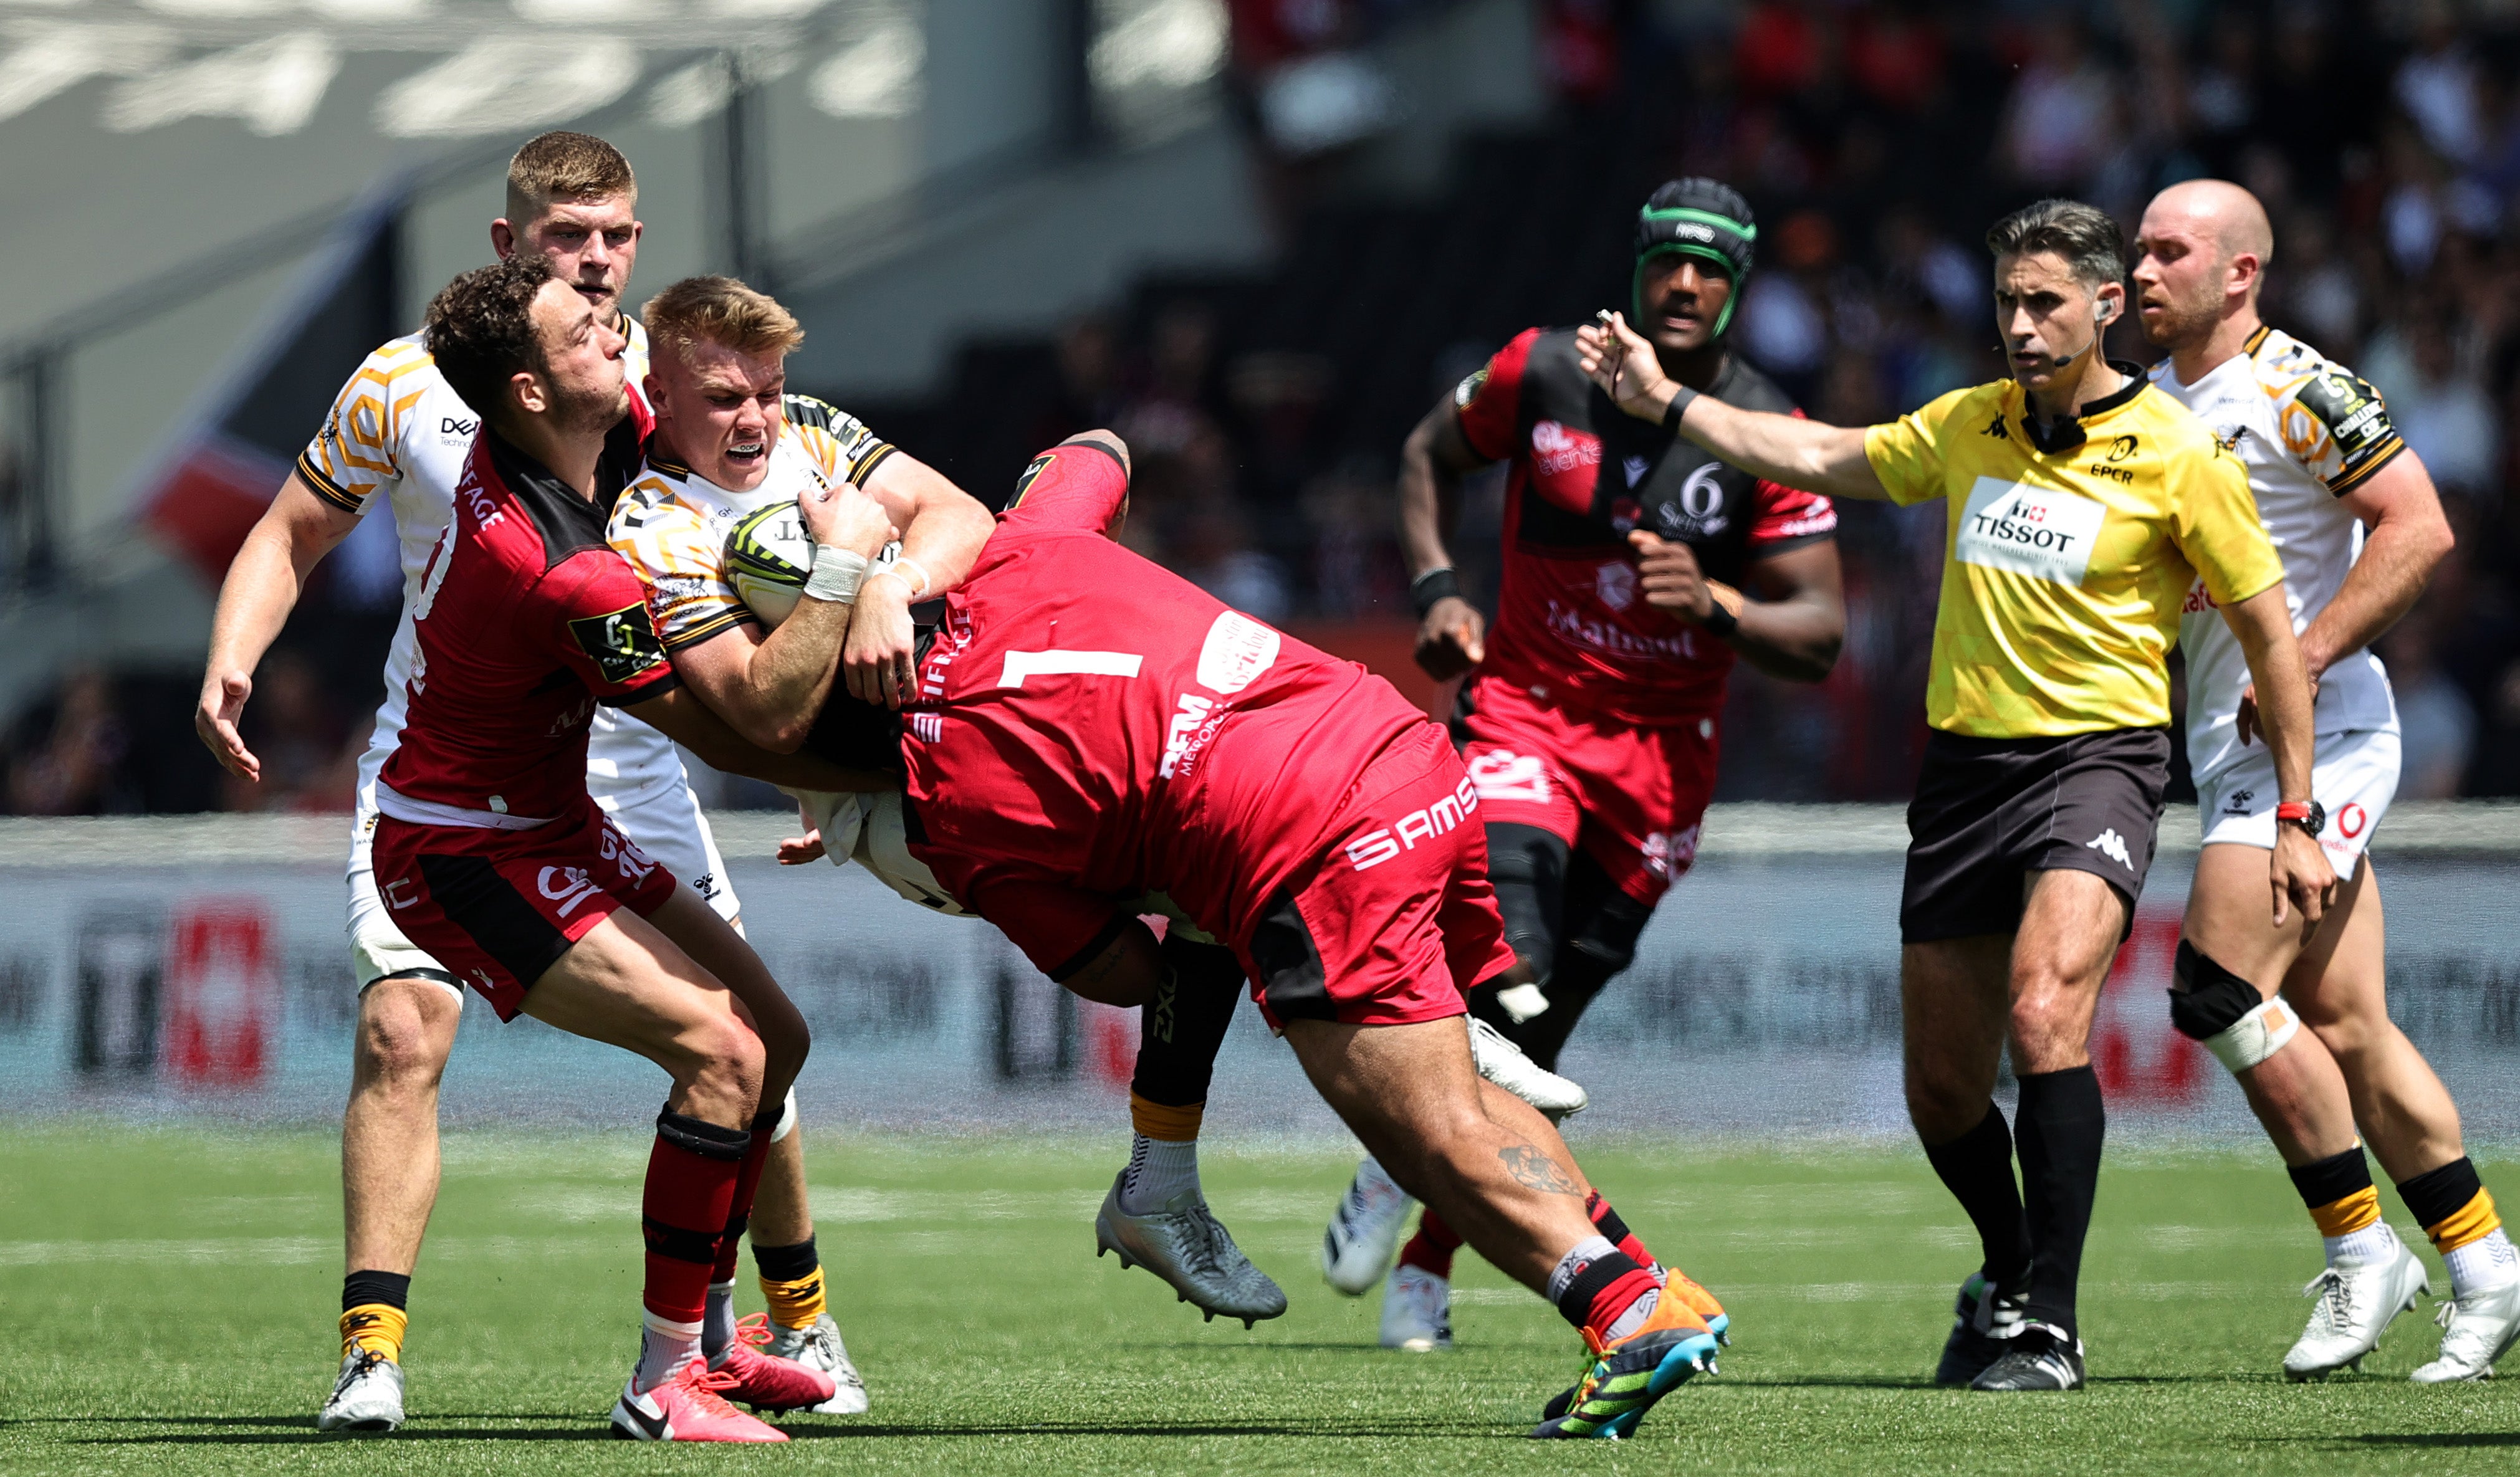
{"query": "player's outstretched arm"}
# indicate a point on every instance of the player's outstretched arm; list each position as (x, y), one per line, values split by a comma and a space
(942, 528)
(1783, 449)
(261, 588)
(2263, 623)
(680, 715)
(1450, 640)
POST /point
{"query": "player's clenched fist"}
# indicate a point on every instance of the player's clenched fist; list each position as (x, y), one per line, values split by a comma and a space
(1674, 584)
(1452, 639)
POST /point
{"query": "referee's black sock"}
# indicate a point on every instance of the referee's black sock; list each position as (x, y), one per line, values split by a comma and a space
(1977, 1169)
(2060, 1126)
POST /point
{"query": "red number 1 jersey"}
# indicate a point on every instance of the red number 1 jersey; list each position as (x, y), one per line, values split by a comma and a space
(1091, 726)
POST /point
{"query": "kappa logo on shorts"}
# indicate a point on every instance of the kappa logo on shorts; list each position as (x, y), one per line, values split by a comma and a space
(2111, 845)
(1377, 847)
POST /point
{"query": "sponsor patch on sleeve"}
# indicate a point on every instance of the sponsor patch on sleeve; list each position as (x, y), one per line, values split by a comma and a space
(621, 643)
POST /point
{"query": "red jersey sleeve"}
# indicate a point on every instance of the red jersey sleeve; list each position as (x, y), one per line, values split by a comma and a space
(602, 630)
(1077, 485)
(1489, 402)
(1787, 516)
(1060, 929)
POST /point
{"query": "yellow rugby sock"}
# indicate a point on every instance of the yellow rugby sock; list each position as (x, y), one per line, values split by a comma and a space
(2472, 1222)
(374, 1326)
(1164, 1121)
(792, 1282)
(2343, 1218)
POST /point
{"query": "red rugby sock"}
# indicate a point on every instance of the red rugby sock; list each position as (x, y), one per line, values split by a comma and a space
(1607, 1221)
(691, 1188)
(1431, 1248)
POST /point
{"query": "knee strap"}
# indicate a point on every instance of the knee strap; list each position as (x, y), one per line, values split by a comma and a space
(1527, 867)
(2224, 1012)
(787, 1118)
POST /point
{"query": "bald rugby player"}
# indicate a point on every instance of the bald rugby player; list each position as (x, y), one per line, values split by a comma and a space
(2360, 526)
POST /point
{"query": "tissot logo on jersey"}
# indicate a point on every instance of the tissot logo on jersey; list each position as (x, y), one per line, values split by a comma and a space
(2043, 533)
(1380, 846)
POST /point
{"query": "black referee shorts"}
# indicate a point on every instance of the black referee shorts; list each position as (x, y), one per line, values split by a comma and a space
(1989, 810)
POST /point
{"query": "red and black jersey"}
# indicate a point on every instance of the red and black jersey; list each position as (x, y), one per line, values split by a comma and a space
(526, 619)
(1572, 627)
(1090, 727)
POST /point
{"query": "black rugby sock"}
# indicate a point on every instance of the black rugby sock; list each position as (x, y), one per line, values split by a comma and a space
(1181, 1031)
(2060, 1127)
(1977, 1169)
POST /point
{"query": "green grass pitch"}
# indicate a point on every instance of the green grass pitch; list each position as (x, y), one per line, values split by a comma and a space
(166, 1299)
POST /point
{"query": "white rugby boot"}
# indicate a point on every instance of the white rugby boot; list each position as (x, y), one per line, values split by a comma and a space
(1503, 1063)
(2355, 1304)
(1417, 1311)
(1364, 1230)
(1186, 1245)
(820, 1348)
(366, 1396)
(2476, 1331)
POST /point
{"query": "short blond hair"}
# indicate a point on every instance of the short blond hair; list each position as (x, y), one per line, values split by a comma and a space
(719, 310)
(561, 166)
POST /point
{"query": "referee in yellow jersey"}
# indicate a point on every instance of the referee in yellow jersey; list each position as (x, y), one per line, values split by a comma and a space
(2082, 505)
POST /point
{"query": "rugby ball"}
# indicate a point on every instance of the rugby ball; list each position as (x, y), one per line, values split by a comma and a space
(768, 556)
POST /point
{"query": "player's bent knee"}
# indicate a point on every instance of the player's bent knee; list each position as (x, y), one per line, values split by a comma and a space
(406, 1030)
(2224, 1012)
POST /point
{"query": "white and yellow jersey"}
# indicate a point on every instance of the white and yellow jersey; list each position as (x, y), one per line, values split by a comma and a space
(2307, 432)
(397, 437)
(672, 523)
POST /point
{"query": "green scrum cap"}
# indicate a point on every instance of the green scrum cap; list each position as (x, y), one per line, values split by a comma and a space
(1702, 218)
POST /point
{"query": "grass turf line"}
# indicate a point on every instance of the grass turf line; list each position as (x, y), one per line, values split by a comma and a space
(167, 1296)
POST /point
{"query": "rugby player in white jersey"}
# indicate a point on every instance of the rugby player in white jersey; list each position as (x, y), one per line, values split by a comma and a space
(731, 442)
(397, 437)
(2358, 525)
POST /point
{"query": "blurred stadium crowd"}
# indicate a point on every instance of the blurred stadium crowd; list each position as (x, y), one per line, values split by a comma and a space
(1876, 138)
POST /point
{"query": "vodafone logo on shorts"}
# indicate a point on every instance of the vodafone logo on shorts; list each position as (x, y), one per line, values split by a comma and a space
(1377, 847)
(2350, 819)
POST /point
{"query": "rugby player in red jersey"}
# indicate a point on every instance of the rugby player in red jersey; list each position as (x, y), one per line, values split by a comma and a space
(1637, 567)
(496, 860)
(1088, 728)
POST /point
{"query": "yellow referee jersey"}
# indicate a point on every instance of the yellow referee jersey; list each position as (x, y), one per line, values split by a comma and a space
(2064, 573)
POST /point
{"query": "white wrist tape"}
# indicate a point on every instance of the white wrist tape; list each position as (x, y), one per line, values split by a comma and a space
(837, 575)
(2255, 1037)
(902, 566)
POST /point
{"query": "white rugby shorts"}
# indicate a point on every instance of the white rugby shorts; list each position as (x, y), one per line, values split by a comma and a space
(2355, 774)
(666, 823)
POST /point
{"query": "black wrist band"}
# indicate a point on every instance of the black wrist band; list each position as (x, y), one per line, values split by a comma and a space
(1678, 408)
(1721, 621)
(1432, 586)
